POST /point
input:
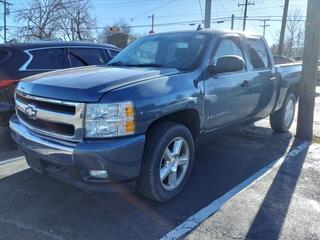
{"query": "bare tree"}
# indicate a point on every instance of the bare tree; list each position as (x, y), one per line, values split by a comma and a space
(41, 20)
(50, 19)
(75, 20)
(294, 37)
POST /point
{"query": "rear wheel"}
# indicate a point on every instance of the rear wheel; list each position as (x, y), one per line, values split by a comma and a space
(282, 119)
(167, 163)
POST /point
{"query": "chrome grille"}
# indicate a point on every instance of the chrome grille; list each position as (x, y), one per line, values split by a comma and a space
(54, 118)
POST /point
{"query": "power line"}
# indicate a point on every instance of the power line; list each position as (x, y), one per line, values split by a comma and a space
(153, 9)
(37, 8)
(213, 20)
(200, 6)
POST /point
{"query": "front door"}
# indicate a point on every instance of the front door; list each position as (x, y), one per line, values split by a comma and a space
(229, 97)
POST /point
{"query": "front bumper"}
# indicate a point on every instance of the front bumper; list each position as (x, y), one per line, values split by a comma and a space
(71, 162)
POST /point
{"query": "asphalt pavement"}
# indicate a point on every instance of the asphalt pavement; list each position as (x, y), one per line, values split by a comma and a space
(36, 206)
(282, 205)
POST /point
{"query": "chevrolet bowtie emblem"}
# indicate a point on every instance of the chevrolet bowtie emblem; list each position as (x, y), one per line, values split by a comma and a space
(30, 111)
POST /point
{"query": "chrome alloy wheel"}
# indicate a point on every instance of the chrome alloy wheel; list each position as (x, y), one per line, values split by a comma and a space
(174, 163)
(289, 112)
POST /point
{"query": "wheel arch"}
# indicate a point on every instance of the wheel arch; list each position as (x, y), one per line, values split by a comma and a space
(190, 118)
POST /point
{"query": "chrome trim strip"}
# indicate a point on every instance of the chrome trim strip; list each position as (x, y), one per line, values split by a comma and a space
(75, 119)
(26, 64)
(23, 131)
(46, 99)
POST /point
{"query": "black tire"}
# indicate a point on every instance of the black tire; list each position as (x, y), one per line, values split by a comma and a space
(158, 139)
(277, 119)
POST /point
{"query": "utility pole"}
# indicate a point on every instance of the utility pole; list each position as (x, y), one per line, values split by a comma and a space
(283, 26)
(152, 24)
(246, 4)
(207, 14)
(309, 72)
(5, 13)
(232, 21)
(265, 25)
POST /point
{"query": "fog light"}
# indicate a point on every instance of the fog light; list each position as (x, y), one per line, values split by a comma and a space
(98, 173)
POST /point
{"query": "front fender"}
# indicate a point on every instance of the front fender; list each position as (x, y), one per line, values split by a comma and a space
(156, 98)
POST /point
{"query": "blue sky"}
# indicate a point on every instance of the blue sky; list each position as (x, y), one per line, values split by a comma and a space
(175, 12)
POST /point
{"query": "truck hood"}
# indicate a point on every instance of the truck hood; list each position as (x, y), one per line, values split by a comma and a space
(87, 84)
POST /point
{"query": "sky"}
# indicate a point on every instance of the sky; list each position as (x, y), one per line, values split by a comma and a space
(172, 15)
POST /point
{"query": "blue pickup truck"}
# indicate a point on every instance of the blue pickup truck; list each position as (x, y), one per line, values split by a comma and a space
(135, 123)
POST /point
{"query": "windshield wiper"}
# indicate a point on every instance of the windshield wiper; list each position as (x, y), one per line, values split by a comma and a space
(117, 64)
(146, 65)
(136, 65)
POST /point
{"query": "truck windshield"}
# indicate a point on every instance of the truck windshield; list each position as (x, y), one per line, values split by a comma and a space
(174, 50)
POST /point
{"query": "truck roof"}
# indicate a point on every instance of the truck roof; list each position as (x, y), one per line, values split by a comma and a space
(217, 32)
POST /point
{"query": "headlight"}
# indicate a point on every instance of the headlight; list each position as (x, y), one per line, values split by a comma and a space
(109, 120)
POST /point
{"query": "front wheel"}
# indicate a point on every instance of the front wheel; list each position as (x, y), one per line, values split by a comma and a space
(167, 163)
(282, 119)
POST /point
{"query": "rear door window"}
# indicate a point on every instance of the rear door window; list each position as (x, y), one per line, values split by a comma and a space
(258, 54)
(47, 59)
(87, 56)
(113, 53)
(3, 54)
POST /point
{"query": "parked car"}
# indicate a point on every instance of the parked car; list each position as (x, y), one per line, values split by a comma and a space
(138, 120)
(282, 59)
(18, 61)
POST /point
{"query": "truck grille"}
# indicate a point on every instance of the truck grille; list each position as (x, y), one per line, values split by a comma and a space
(54, 118)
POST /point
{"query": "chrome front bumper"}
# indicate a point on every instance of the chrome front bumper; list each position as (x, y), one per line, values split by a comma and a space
(71, 162)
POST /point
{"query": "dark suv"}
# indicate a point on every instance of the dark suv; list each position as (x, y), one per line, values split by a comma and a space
(18, 61)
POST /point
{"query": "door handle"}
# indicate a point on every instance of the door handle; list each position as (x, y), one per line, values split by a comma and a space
(245, 83)
(273, 78)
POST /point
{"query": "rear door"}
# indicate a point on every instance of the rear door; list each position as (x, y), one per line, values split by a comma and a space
(228, 96)
(264, 75)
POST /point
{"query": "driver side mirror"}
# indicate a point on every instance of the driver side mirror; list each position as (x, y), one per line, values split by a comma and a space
(227, 64)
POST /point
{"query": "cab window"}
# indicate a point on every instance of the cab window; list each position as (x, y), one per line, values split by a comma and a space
(227, 47)
(258, 54)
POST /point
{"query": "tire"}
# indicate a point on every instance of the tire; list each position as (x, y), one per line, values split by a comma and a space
(161, 138)
(281, 120)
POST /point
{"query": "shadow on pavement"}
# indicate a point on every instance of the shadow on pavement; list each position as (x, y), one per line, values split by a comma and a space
(272, 213)
(47, 208)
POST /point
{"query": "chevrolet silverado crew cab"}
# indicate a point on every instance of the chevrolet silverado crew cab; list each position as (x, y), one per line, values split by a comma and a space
(135, 122)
